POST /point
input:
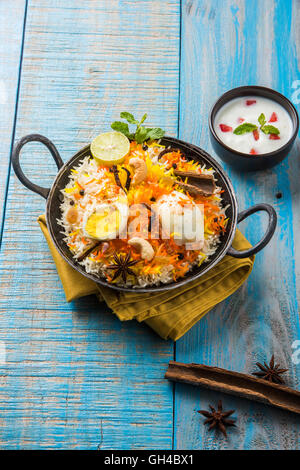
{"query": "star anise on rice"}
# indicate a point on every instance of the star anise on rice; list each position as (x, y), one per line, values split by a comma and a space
(270, 372)
(218, 419)
(122, 266)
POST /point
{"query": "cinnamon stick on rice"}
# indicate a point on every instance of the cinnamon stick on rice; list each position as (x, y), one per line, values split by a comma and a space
(199, 183)
(88, 250)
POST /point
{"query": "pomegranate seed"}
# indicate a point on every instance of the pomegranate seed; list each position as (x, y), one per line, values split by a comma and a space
(256, 134)
(225, 128)
(253, 152)
(250, 102)
(240, 120)
(274, 137)
(273, 118)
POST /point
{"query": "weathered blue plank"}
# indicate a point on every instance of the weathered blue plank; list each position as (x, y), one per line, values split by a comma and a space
(246, 42)
(76, 377)
(11, 31)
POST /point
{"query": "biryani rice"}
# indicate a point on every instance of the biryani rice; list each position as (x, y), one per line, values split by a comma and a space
(91, 183)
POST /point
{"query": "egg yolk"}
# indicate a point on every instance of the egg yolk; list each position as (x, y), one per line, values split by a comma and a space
(102, 225)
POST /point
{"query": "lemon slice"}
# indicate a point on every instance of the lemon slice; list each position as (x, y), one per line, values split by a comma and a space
(110, 148)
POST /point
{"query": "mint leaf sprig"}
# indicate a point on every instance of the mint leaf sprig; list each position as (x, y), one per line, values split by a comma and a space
(267, 129)
(141, 133)
(248, 127)
(270, 130)
(244, 128)
(262, 120)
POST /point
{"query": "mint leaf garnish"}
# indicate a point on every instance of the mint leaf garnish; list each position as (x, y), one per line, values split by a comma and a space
(121, 127)
(270, 129)
(248, 127)
(141, 133)
(244, 128)
(155, 133)
(262, 119)
(267, 129)
(143, 118)
(129, 117)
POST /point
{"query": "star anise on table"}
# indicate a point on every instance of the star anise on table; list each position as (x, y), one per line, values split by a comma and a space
(218, 419)
(122, 266)
(270, 372)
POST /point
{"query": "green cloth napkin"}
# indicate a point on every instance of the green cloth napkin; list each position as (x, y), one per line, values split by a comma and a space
(172, 313)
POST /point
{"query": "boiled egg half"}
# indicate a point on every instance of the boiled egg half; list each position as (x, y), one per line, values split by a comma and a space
(181, 219)
(106, 221)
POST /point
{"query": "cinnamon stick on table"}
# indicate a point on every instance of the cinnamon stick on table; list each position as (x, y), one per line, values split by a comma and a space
(235, 383)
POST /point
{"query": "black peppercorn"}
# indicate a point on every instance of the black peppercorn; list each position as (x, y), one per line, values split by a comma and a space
(152, 199)
(72, 203)
(216, 219)
(81, 192)
(279, 195)
(145, 147)
(180, 256)
(174, 166)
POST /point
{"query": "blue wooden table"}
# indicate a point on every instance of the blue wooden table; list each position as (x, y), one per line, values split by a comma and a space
(74, 376)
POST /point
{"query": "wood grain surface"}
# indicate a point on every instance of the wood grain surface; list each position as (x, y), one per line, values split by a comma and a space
(244, 44)
(75, 377)
(11, 36)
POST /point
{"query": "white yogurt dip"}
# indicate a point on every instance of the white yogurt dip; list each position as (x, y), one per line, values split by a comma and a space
(247, 110)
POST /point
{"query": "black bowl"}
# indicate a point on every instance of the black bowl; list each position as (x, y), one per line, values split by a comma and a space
(243, 161)
(53, 211)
